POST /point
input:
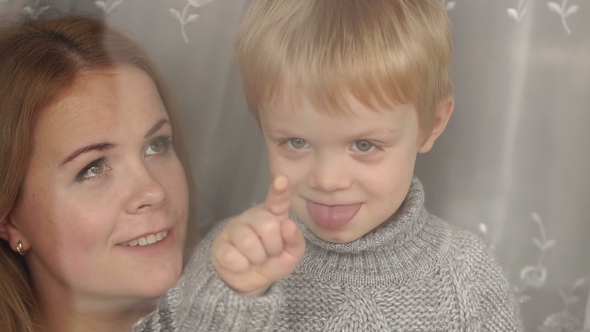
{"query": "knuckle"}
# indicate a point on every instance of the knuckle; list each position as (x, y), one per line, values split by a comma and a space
(268, 228)
(230, 258)
(249, 243)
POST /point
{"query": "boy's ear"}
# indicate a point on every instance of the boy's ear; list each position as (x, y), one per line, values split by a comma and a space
(441, 118)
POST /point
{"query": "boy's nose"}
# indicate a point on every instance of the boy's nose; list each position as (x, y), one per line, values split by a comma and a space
(329, 175)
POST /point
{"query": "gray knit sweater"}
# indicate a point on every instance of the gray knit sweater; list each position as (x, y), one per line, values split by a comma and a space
(414, 273)
(201, 301)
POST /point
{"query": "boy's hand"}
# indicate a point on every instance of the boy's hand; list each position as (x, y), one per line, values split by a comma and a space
(261, 245)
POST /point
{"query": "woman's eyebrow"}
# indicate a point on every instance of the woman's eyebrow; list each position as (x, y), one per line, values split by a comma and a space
(104, 146)
(156, 127)
(92, 147)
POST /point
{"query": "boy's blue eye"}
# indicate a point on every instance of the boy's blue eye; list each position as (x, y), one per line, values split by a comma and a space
(297, 143)
(364, 146)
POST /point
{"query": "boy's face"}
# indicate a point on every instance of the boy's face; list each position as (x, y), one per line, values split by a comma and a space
(348, 172)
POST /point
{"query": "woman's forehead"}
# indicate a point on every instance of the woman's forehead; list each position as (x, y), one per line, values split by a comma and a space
(101, 104)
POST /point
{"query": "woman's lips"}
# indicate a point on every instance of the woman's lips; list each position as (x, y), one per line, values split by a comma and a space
(331, 216)
(147, 240)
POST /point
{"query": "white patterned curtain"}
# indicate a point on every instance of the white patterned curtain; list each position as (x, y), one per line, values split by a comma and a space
(512, 166)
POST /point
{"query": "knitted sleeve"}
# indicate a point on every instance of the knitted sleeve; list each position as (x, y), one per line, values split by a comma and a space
(484, 292)
(201, 301)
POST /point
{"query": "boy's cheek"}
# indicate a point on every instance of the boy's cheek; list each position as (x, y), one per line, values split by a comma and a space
(279, 165)
(275, 167)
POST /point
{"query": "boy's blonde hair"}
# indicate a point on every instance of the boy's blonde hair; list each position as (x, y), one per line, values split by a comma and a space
(382, 52)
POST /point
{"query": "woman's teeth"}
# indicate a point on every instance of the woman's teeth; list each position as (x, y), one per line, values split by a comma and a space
(147, 240)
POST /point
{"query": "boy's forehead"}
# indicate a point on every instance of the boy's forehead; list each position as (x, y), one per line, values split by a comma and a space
(339, 95)
(342, 104)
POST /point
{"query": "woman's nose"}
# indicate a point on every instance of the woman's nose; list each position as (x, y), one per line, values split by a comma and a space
(145, 192)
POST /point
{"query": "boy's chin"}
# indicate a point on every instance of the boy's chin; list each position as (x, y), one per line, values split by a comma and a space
(340, 236)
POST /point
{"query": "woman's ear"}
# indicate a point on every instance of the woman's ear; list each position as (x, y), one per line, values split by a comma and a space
(441, 118)
(10, 232)
(4, 228)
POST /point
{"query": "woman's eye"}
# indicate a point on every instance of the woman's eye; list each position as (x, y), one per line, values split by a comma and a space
(363, 146)
(93, 169)
(158, 146)
(297, 143)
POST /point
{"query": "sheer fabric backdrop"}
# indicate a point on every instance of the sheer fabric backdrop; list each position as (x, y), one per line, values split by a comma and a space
(512, 166)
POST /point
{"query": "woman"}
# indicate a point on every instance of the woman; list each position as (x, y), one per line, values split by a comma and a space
(93, 179)
(94, 196)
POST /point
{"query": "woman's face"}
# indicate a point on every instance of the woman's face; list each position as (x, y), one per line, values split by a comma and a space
(104, 204)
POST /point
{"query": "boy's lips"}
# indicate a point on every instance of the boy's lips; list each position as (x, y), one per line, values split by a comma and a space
(331, 216)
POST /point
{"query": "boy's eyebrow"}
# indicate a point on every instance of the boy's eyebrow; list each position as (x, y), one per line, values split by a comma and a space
(379, 131)
(276, 132)
(362, 133)
(380, 134)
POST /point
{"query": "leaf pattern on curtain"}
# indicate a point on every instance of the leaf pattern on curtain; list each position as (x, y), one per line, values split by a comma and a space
(35, 9)
(108, 6)
(564, 307)
(534, 277)
(184, 18)
(564, 11)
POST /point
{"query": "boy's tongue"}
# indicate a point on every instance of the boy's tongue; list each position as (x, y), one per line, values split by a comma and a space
(331, 217)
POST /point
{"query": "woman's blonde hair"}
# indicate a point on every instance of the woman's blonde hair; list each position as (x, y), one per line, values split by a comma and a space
(382, 52)
(39, 61)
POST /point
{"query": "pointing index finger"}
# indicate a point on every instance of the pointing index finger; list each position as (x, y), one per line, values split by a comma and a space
(277, 200)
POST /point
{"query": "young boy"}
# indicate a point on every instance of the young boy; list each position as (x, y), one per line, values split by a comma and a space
(347, 93)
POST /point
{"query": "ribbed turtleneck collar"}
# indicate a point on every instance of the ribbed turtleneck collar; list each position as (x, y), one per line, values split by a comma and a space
(406, 246)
